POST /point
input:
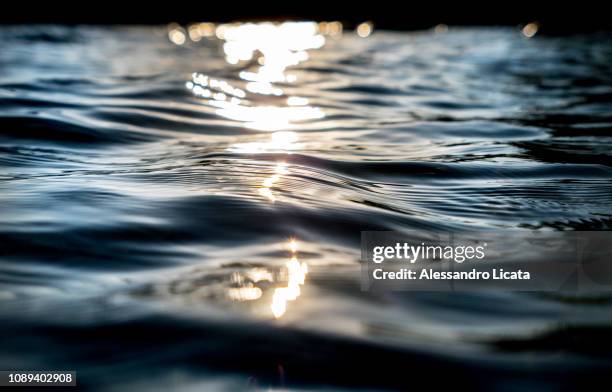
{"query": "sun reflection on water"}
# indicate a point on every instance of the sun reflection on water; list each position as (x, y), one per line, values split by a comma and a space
(266, 187)
(248, 286)
(267, 50)
(279, 142)
(282, 141)
(296, 275)
(278, 46)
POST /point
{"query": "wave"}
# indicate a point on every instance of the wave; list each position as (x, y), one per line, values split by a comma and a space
(151, 182)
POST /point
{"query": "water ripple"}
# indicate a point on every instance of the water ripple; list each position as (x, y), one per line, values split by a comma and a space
(152, 178)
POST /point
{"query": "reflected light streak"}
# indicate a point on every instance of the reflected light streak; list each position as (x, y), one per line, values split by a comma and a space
(265, 189)
(265, 118)
(297, 101)
(296, 276)
(282, 141)
(247, 293)
(275, 47)
(280, 46)
(293, 245)
(292, 274)
(230, 103)
(260, 275)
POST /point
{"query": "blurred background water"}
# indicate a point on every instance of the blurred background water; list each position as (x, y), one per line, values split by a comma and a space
(181, 207)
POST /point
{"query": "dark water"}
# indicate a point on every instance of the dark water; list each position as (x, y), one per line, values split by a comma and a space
(150, 192)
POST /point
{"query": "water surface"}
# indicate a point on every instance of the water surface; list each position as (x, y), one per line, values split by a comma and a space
(181, 209)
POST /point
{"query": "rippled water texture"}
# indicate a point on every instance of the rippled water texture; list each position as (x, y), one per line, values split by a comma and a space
(181, 210)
